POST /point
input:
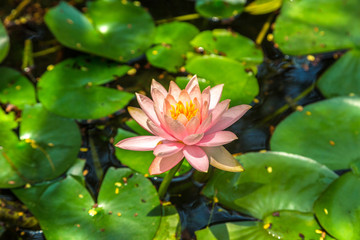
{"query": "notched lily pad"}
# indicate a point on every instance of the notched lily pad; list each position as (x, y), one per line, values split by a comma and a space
(48, 146)
(15, 88)
(240, 86)
(326, 131)
(73, 88)
(219, 8)
(229, 44)
(271, 182)
(127, 207)
(338, 208)
(172, 43)
(119, 30)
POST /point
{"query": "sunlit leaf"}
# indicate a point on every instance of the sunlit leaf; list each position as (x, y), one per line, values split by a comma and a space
(338, 208)
(219, 8)
(73, 88)
(240, 86)
(307, 26)
(258, 7)
(15, 88)
(4, 42)
(119, 30)
(271, 182)
(342, 78)
(229, 44)
(326, 131)
(127, 207)
(48, 146)
(172, 43)
(169, 228)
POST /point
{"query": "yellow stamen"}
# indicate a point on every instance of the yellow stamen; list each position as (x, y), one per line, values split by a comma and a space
(189, 110)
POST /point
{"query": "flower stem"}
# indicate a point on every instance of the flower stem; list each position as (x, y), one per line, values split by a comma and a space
(167, 180)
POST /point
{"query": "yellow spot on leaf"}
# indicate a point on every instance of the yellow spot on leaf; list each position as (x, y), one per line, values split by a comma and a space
(270, 37)
(308, 113)
(117, 191)
(154, 52)
(50, 67)
(20, 214)
(11, 182)
(299, 108)
(50, 144)
(69, 21)
(92, 212)
(131, 72)
(118, 184)
(84, 149)
(78, 45)
(310, 58)
(119, 214)
(28, 185)
(263, 151)
(137, 3)
(267, 225)
(326, 211)
(85, 172)
(81, 196)
(332, 143)
(18, 87)
(318, 231)
(269, 169)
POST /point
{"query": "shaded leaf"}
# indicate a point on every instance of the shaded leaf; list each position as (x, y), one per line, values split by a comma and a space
(219, 8)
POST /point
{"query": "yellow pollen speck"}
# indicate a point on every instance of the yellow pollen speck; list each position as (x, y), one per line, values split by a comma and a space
(28, 185)
(119, 214)
(50, 144)
(78, 45)
(124, 1)
(69, 21)
(50, 67)
(117, 191)
(310, 58)
(146, 175)
(332, 143)
(267, 225)
(137, 3)
(85, 172)
(189, 110)
(308, 113)
(92, 212)
(131, 72)
(299, 108)
(20, 214)
(89, 84)
(118, 184)
(326, 211)
(154, 52)
(318, 231)
(256, 100)
(216, 200)
(22, 233)
(83, 149)
(269, 169)
(18, 87)
(166, 203)
(78, 225)
(11, 182)
(81, 196)
(263, 151)
(270, 37)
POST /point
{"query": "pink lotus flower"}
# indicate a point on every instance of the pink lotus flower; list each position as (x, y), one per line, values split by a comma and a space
(185, 123)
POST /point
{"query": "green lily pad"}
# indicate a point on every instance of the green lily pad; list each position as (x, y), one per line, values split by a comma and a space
(127, 207)
(271, 182)
(172, 43)
(48, 146)
(278, 225)
(219, 8)
(170, 228)
(15, 88)
(119, 30)
(183, 81)
(73, 89)
(338, 208)
(307, 26)
(240, 86)
(326, 131)
(229, 44)
(138, 160)
(4, 42)
(342, 78)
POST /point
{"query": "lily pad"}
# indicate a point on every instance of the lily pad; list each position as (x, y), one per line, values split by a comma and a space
(229, 44)
(240, 86)
(4, 42)
(342, 78)
(48, 146)
(73, 89)
(307, 26)
(140, 161)
(326, 131)
(278, 225)
(127, 207)
(15, 88)
(170, 228)
(172, 43)
(119, 30)
(338, 208)
(219, 8)
(271, 182)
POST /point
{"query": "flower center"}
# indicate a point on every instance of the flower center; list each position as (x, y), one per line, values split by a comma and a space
(189, 110)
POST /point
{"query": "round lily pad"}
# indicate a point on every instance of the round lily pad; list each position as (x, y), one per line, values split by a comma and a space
(4, 42)
(15, 88)
(306, 26)
(119, 30)
(271, 182)
(229, 44)
(278, 225)
(326, 131)
(48, 146)
(240, 86)
(338, 208)
(169, 228)
(73, 89)
(219, 8)
(127, 208)
(172, 43)
(342, 78)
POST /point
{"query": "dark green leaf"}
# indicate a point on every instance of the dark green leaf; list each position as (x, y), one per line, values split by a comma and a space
(4, 42)
(219, 8)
